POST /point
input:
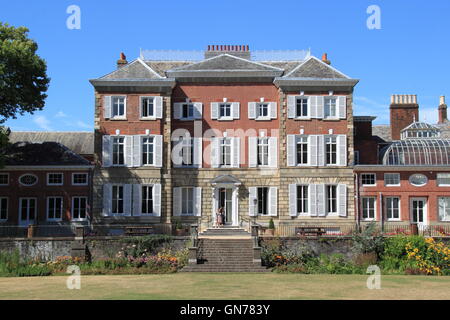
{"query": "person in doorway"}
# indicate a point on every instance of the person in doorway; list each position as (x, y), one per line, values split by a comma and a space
(220, 217)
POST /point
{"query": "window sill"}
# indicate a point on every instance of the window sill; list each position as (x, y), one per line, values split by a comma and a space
(368, 185)
(80, 185)
(148, 118)
(332, 119)
(55, 185)
(79, 220)
(225, 119)
(303, 118)
(118, 119)
(392, 185)
(263, 119)
(393, 220)
(369, 220)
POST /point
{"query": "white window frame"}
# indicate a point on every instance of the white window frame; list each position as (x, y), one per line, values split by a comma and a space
(399, 208)
(123, 200)
(185, 192)
(61, 208)
(55, 184)
(142, 199)
(124, 151)
(230, 117)
(374, 208)
(221, 153)
(257, 111)
(267, 195)
(336, 143)
(329, 98)
(308, 107)
(327, 200)
(7, 205)
(189, 105)
(142, 151)
(297, 139)
(418, 185)
(73, 208)
(80, 184)
(442, 184)
(260, 144)
(389, 184)
(187, 143)
(305, 213)
(7, 179)
(141, 116)
(369, 185)
(445, 208)
(119, 117)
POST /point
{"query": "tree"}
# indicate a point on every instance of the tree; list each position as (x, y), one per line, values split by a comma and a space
(23, 74)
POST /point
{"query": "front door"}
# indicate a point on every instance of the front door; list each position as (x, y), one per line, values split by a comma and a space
(418, 207)
(27, 211)
(226, 202)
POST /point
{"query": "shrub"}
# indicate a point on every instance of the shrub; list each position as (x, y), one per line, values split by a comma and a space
(433, 258)
(394, 258)
(368, 240)
(137, 246)
(271, 224)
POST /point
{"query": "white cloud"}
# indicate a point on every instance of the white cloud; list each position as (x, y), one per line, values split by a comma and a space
(367, 107)
(61, 114)
(83, 125)
(43, 123)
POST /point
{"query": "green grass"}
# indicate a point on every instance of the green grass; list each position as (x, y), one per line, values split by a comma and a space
(227, 286)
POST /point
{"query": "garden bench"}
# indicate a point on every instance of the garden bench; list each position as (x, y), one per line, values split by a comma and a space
(138, 230)
(309, 231)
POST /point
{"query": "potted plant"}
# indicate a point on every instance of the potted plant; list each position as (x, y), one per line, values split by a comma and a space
(271, 229)
(179, 230)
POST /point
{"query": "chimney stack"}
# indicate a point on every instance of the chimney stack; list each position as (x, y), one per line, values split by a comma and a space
(241, 51)
(404, 111)
(122, 61)
(442, 111)
(325, 59)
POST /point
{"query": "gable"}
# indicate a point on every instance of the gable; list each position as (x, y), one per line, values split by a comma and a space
(314, 68)
(134, 70)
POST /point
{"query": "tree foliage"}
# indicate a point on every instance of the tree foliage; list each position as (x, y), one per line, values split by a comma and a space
(23, 74)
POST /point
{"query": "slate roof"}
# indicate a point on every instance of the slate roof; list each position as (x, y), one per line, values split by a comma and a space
(41, 154)
(382, 131)
(136, 69)
(314, 68)
(79, 142)
(226, 62)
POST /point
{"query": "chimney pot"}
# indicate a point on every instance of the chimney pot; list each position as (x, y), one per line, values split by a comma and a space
(442, 110)
(442, 100)
(122, 61)
(325, 59)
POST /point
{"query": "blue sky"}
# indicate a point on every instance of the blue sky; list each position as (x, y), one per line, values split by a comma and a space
(409, 55)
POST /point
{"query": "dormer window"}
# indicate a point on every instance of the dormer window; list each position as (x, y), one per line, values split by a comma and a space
(187, 111)
(225, 110)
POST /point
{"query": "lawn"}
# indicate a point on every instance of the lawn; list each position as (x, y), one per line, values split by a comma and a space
(227, 286)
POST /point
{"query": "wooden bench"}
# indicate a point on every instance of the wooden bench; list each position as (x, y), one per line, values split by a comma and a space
(309, 231)
(138, 230)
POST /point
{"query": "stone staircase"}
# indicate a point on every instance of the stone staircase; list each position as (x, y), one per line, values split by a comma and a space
(225, 250)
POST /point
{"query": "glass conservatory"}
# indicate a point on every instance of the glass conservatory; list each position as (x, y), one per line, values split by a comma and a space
(418, 130)
(417, 152)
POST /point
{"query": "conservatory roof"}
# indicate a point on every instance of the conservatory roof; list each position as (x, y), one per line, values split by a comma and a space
(419, 125)
(417, 152)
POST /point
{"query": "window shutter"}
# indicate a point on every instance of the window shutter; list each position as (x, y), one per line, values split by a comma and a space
(177, 110)
(252, 151)
(291, 104)
(320, 150)
(214, 110)
(321, 200)
(137, 199)
(129, 151)
(198, 110)
(252, 110)
(342, 149)
(235, 110)
(157, 199)
(312, 199)
(107, 107)
(291, 154)
(342, 107)
(158, 101)
(107, 199)
(198, 152)
(312, 101)
(106, 151)
(273, 152)
(320, 107)
(342, 200)
(158, 150)
(198, 201)
(293, 200)
(127, 199)
(215, 152)
(177, 201)
(137, 145)
(273, 110)
(176, 151)
(312, 150)
(251, 205)
(273, 201)
(236, 152)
